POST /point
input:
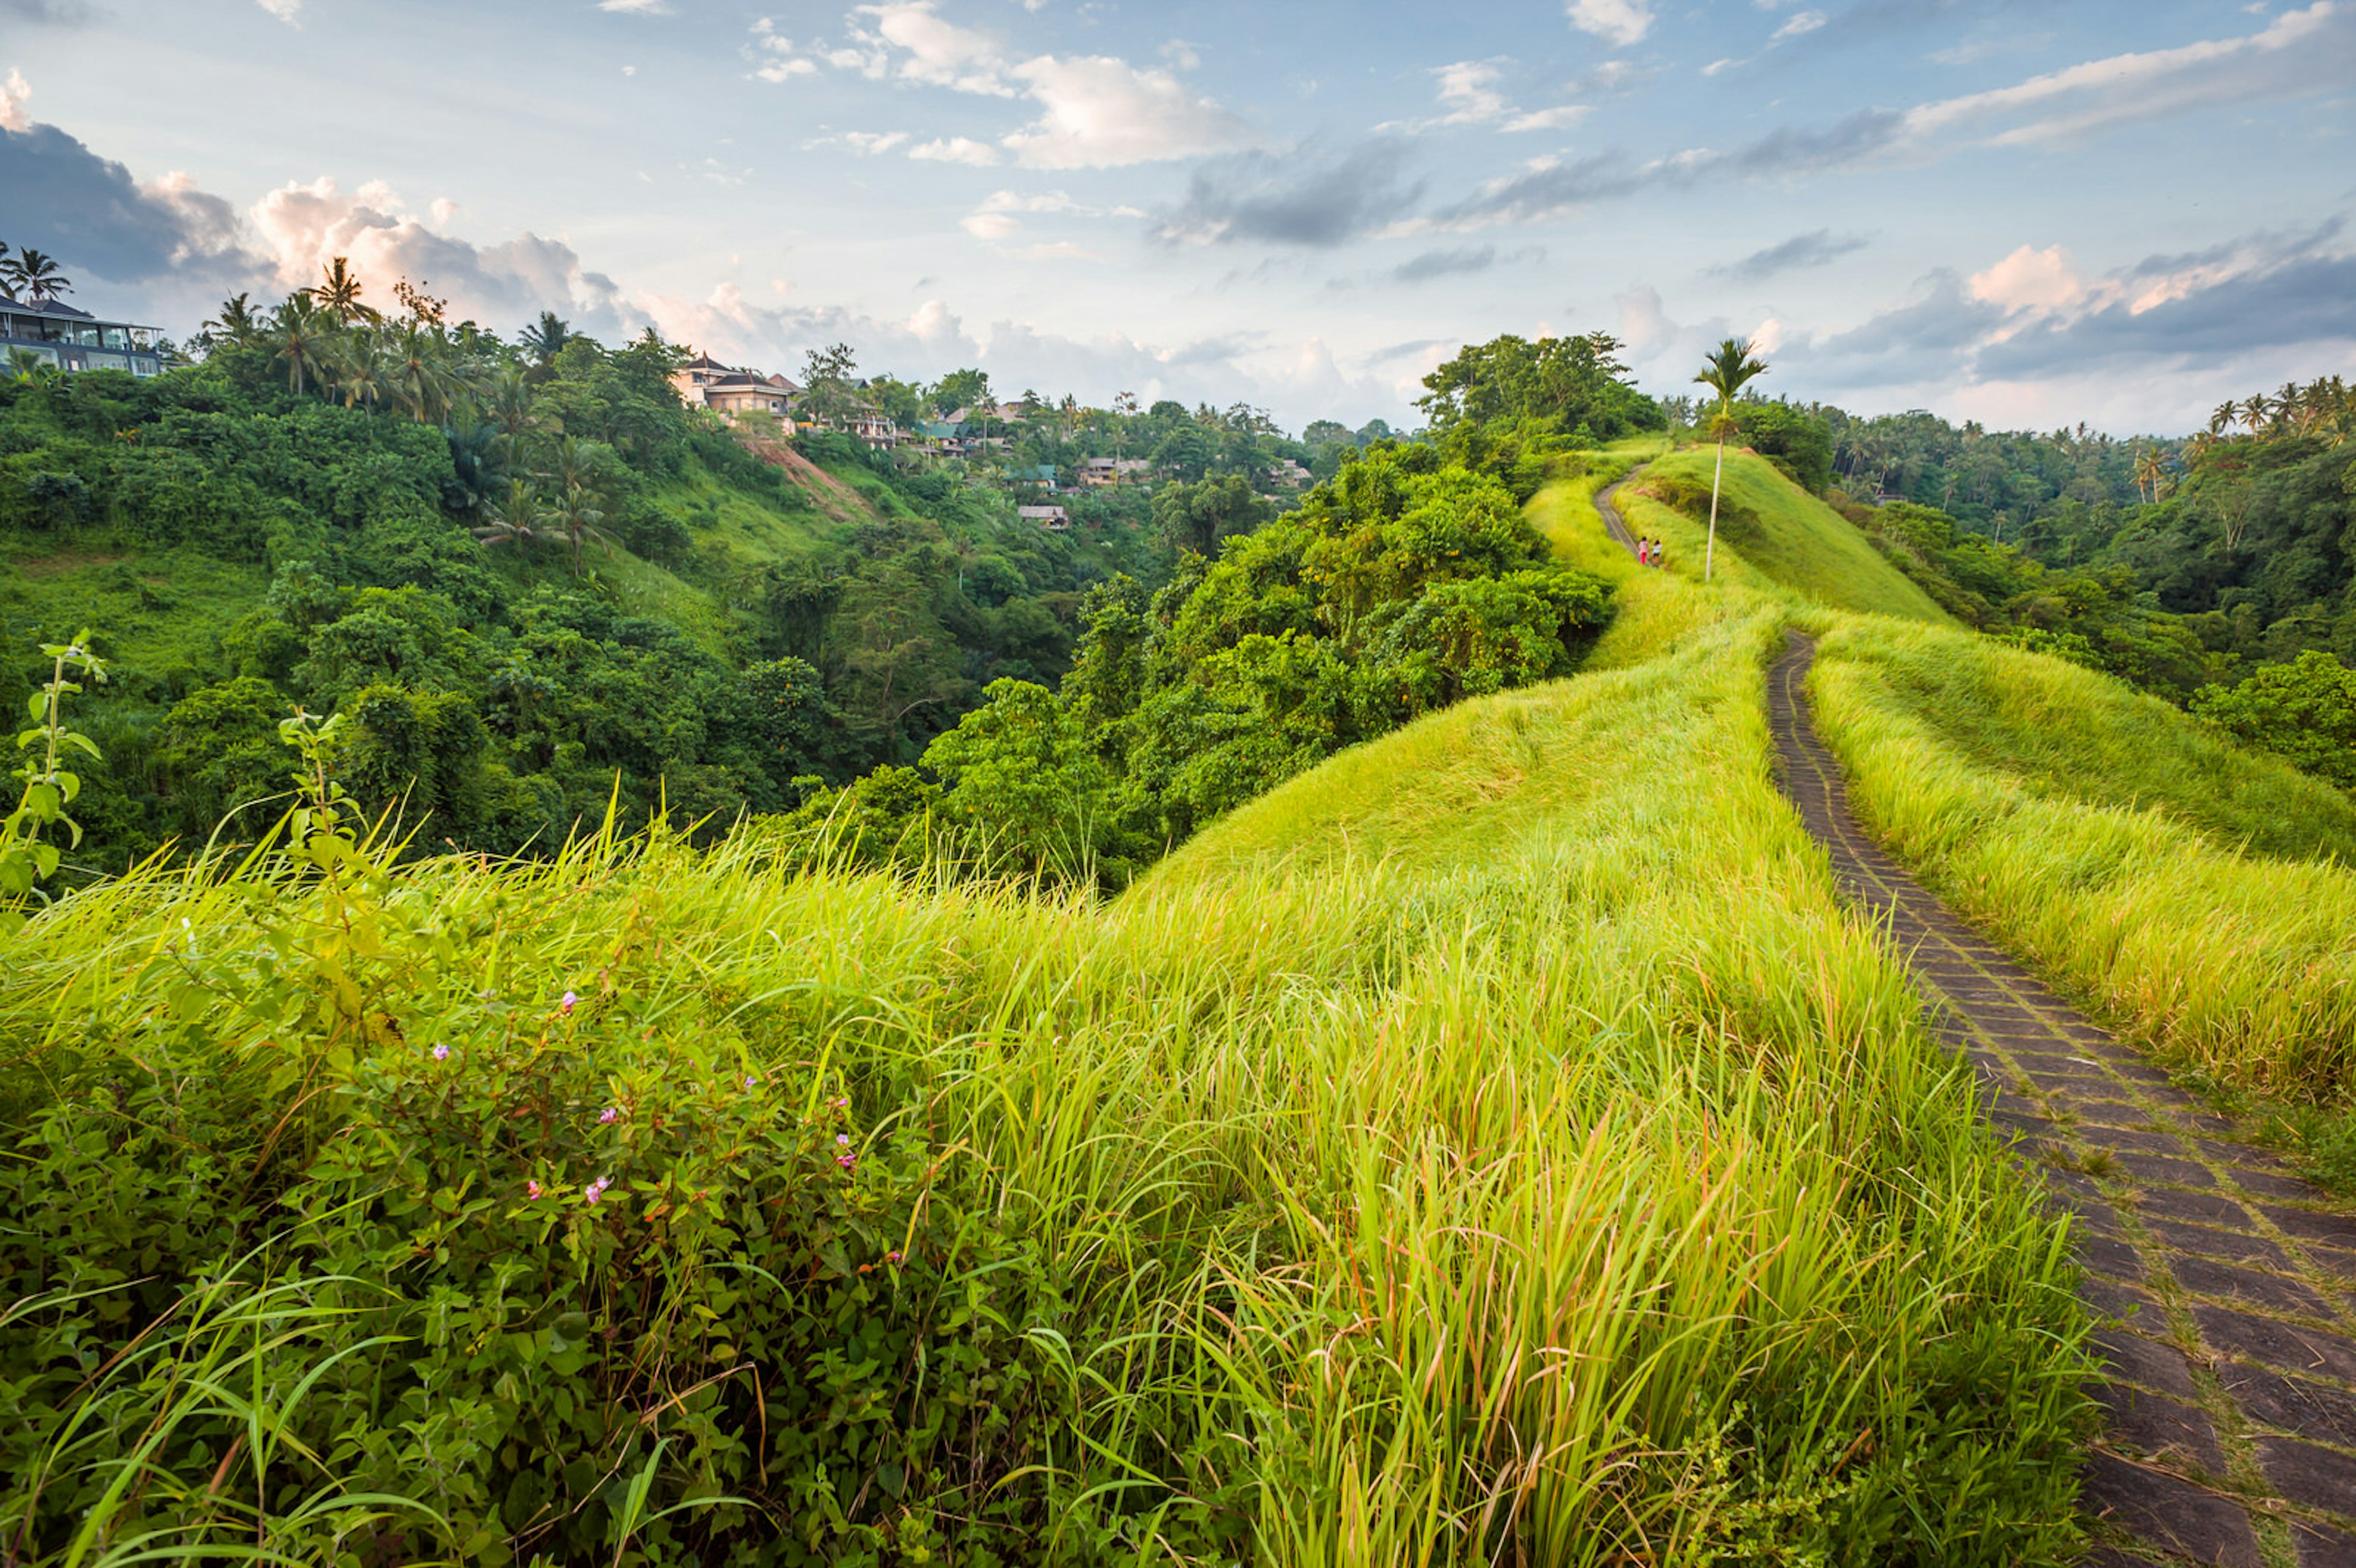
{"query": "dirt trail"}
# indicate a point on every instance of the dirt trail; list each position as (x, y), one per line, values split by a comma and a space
(835, 499)
(2228, 1287)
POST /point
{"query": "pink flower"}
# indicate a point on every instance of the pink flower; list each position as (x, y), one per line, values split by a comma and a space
(891, 1257)
(752, 1083)
(596, 1189)
(608, 1115)
(567, 1003)
(441, 1053)
(848, 1162)
(843, 1139)
(842, 1104)
(531, 1191)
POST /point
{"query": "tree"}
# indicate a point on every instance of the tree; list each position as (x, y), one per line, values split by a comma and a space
(37, 273)
(961, 390)
(300, 332)
(238, 323)
(420, 374)
(522, 522)
(1198, 516)
(337, 293)
(829, 396)
(2302, 711)
(1020, 773)
(1734, 364)
(545, 339)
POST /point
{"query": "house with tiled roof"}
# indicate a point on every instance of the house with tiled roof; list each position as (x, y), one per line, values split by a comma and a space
(704, 382)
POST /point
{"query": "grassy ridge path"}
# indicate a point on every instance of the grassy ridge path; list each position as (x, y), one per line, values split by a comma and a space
(1613, 524)
(2231, 1289)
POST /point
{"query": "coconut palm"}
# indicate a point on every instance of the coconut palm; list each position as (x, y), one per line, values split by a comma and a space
(521, 521)
(26, 364)
(577, 517)
(300, 332)
(1731, 367)
(2255, 411)
(337, 293)
(545, 339)
(421, 375)
(2223, 417)
(36, 273)
(238, 323)
(7, 284)
(506, 398)
(357, 367)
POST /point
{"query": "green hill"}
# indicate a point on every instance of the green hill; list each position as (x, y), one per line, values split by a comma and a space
(1772, 535)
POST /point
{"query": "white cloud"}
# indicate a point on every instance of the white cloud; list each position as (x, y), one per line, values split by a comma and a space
(1182, 54)
(866, 144)
(956, 150)
(636, 7)
(991, 227)
(287, 11)
(1468, 91)
(2299, 52)
(2030, 280)
(1555, 119)
(302, 227)
(1097, 112)
(1800, 24)
(1622, 23)
(13, 95)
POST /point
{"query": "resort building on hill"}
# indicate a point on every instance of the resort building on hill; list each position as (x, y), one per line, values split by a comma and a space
(76, 341)
(704, 382)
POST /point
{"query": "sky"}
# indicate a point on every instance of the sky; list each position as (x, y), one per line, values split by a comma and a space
(2028, 212)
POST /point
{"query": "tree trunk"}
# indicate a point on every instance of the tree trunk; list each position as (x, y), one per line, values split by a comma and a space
(1709, 551)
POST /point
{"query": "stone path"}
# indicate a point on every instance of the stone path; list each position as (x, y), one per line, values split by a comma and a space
(1613, 524)
(2227, 1286)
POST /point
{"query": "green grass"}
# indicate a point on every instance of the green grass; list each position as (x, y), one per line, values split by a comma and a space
(1772, 535)
(2201, 897)
(1424, 1165)
(1564, 512)
(161, 610)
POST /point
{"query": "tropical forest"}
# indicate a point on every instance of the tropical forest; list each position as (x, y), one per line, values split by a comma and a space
(620, 951)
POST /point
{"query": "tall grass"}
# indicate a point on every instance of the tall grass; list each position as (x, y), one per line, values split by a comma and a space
(1425, 1165)
(2202, 897)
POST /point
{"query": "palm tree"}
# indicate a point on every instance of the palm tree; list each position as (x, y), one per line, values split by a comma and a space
(357, 367)
(506, 406)
(545, 340)
(337, 293)
(237, 322)
(2148, 473)
(37, 274)
(7, 283)
(519, 522)
(1732, 365)
(2255, 411)
(421, 378)
(2223, 417)
(26, 365)
(578, 516)
(301, 332)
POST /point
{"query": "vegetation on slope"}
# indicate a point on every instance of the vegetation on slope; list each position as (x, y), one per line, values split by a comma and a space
(2200, 896)
(1778, 534)
(1424, 1165)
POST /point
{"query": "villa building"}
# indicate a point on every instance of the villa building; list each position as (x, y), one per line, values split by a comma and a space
(1054, 519)
(705, 383)
(76, 341)
(1098, 472)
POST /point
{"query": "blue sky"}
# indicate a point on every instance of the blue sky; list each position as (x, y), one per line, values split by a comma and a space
(2030, 214)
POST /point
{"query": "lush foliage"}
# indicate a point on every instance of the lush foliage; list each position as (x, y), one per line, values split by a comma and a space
(1402, 586)
(527, 574)
(1424, 1165)
(1510, 406)
(2302, 711)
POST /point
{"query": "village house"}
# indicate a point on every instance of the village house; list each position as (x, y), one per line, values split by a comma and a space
(705, 383)
(1099, 472)
(1054, 519)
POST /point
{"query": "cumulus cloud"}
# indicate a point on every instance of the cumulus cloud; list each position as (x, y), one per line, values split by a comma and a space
(1097, 112)
(89, 212)
(1091, 110)
(1304, 199)
(636, 7)
(1798, 25)
(1622, 23)
(1820, 247)
(866, 144)
(287, 11)
(14, 94)
(303, 227)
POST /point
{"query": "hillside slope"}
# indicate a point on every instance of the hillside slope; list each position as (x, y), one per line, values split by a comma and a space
(1772, 535)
